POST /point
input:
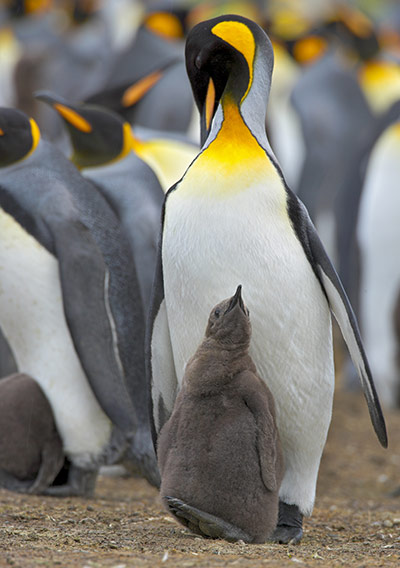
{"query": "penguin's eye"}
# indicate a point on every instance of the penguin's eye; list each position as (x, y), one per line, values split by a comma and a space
(217, 312)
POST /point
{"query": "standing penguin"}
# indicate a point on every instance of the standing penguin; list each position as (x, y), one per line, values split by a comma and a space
(78, 326)
(232, 217)
(222, 437)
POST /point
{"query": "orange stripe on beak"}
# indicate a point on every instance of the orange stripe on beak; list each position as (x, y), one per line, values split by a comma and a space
(134, 93)
(210, 102)
(73, 118)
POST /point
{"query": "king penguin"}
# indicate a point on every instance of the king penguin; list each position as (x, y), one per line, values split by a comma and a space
(102, 150)
(232, 218)
(109, 139)
(79, 324)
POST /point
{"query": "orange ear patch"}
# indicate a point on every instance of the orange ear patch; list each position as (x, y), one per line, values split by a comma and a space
(239, 36)
(136, 91)
(309, 49)
(164, 24)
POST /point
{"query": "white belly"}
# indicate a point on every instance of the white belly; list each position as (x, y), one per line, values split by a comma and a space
(212, 245)
(32, 318)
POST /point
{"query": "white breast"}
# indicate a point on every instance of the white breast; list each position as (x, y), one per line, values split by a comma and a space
(32, 318)
(210, 245)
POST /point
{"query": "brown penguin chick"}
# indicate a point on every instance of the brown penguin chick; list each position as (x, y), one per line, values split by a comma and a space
(219, 453)
(31, 452)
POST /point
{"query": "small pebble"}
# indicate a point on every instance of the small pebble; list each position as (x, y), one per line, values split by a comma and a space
(388, 523)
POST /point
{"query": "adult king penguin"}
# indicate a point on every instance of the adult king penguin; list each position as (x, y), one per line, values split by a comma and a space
(70, 306)
(232, 218)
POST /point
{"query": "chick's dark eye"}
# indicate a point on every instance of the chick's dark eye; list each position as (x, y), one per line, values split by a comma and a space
(217, 312)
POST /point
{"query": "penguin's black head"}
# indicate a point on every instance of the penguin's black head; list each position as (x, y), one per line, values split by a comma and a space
(229, 322)
(220, 59)
(98, 136)
(19, 136)
(355, 31)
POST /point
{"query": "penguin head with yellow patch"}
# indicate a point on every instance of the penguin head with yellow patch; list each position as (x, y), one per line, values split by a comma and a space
(98, 136)
(19, 136)
(229, 57)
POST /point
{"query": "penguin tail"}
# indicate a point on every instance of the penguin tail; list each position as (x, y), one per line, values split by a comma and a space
(203, 523)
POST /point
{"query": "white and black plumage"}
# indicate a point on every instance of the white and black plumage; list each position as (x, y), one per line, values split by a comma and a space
(232, 218)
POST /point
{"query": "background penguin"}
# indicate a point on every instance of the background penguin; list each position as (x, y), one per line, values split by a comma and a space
(219, 453)
(31, 451)
(234, 194)
(102, 149)
(379, 237)
(147, 83)
(57, 228)
(167, 154)
(378, 228)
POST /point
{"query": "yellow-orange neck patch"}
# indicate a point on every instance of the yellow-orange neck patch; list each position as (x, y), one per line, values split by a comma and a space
(35, 132)
(240, 37)
(232, 163)
(127, 140)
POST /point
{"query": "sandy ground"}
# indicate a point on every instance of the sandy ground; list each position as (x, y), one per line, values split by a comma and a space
(356, 521)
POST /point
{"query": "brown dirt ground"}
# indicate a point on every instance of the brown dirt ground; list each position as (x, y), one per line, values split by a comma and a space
(356, 521)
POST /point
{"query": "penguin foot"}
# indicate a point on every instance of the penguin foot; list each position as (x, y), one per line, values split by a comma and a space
(81, 483)
(141, 457)
(203, 523)
(289, 529)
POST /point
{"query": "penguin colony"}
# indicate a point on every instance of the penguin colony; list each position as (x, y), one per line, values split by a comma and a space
(119, 233)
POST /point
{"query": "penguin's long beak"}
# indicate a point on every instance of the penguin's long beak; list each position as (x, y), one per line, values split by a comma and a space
(208, 111)
(237, 299)
(67, 111)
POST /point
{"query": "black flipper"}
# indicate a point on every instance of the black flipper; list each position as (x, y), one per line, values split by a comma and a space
(203, 523)
(340, 307)
(84, 281)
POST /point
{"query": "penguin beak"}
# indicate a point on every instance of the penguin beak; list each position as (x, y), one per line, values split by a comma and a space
(65, 110)
(237, 299)
(208, 111)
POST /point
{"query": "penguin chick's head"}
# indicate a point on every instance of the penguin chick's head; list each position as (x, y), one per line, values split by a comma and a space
(19, 136)
(228, 55)
(229, 322)
(98, 136)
